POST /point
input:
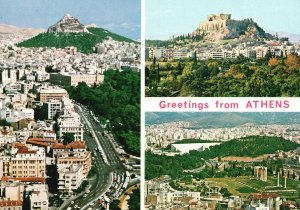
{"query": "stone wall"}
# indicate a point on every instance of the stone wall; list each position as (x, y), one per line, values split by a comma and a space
(215, 22)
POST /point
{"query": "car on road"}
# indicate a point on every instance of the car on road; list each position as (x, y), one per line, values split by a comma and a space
(72, 202)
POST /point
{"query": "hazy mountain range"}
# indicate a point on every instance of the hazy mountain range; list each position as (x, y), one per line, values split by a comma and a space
(10, 29)
(225, 119)
(292, 37)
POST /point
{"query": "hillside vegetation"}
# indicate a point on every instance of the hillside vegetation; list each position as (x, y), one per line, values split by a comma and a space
(270, 76)
(83, 41)
(158, 165)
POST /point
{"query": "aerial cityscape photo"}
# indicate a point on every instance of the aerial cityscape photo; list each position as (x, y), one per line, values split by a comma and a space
(70, 104)
(222, 48)
(222, 160)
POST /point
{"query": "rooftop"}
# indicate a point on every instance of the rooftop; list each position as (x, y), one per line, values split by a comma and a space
(25, 179)
(41, 141)
(10, 203)
(264, 196)
(72, 145)
(25, 150)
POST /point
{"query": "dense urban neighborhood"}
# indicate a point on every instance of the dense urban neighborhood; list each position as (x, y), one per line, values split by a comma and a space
(199, 164)
(57, 150)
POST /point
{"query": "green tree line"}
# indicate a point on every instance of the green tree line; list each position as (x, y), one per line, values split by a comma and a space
(270, 76)
(117, 99)
(158, 165)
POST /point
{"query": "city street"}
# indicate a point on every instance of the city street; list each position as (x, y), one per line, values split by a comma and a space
(103, 171)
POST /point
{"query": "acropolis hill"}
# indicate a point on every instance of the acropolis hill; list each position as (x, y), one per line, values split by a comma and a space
(221, 26)
(215, 22)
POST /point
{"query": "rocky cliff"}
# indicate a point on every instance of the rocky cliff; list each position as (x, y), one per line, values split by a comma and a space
(68, 24)
(219, 27)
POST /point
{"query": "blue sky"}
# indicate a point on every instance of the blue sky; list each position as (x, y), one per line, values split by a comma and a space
(120, 16)
(165, 18)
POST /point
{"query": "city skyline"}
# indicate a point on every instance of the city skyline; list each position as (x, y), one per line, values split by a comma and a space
(117, 16)
(170, 18)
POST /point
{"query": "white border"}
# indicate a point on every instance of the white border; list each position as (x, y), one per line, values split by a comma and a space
(142, 120)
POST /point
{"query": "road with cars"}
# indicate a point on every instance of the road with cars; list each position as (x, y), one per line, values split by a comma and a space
(110, 175)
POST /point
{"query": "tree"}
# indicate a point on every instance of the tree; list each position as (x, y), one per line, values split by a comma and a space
(157, 74)
(116, 99)
(134, 200)
(68, 138)
(218, 206)
(273, 62)
(225, 192)
(268, 55)
(114, 205)
(292, 61)
(3, 122)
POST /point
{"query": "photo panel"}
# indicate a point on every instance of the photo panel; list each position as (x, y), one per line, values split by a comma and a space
(212, 48)
(222, 160)
(70, 104)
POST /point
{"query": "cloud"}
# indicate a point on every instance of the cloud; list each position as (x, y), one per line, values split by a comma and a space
(125, 25)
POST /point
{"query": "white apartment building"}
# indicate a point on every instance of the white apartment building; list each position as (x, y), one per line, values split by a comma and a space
(11, 190)
(8, 76)
(181, 53)
(5, 112)
(159, 52)
(69, 122)
(16, 115)
(26, 113)
(70, 176)
(81, 158)
(25, 87)
(52, 107)
(7, 139)
(164, 194)
(42, 76)
(38, 196)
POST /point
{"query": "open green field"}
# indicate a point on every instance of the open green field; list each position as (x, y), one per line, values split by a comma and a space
(244, 186)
